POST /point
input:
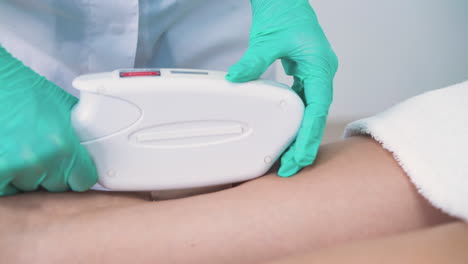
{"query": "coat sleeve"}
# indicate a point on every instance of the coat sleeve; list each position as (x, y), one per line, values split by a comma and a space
(428, 136)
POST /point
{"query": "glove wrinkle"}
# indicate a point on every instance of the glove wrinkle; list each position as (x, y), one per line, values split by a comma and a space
(36, 134)
(290, 31)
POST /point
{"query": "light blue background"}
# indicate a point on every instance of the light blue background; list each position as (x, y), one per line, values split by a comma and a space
(392, 50)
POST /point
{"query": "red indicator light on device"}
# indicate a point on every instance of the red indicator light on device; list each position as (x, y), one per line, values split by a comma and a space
(140, 73)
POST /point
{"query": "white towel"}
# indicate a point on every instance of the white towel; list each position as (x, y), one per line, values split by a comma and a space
(428, 136)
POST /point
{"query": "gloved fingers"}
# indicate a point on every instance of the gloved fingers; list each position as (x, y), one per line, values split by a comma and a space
(316, 92)
(82, 174)
(318, 96)
(298, 87)
(309, 137)
(36, 160)
(56, 180)
(57, 145)
(37, 112)
(252, 65)
(290, 68)
(30, 178)
(30, 171)
(289, 167)
(6, 176)
(8, 190)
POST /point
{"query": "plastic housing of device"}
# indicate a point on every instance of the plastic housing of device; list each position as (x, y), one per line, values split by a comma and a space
(182, 128)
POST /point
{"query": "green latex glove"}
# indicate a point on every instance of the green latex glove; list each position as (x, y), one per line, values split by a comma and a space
(289, 30)
(38, 146)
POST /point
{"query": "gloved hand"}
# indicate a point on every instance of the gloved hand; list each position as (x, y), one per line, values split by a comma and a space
(289, 30)
(38, 146)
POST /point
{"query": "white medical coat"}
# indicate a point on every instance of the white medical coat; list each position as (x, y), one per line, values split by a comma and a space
(62, 39)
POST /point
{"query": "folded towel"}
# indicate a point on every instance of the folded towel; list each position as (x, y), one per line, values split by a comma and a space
(428, 136)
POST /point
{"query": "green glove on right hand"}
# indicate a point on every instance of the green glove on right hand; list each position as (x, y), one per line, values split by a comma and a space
(289, 30)
(38, 145)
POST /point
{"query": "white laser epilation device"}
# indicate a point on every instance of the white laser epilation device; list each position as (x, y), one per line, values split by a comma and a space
(164, 129)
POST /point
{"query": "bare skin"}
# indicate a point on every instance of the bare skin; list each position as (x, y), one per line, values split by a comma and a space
(442, 244)
(354, 191)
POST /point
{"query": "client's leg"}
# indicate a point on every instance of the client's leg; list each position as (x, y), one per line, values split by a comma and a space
(355, 190)
(442, 244)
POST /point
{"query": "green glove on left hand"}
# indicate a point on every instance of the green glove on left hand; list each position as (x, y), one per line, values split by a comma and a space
(289, 30)
(38, 145)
